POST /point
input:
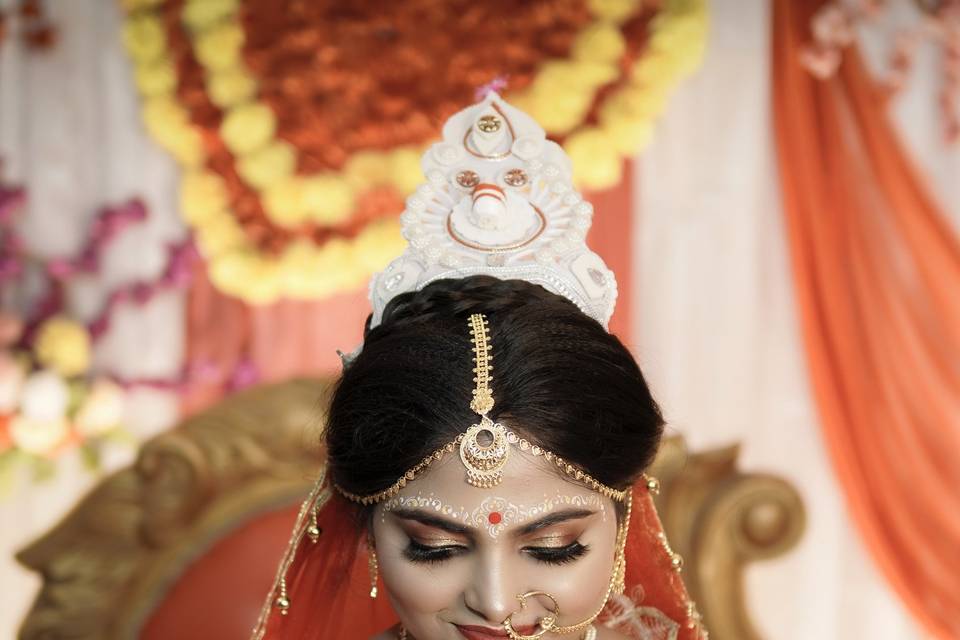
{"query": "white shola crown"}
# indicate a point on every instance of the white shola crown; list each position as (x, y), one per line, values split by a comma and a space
(498, 201)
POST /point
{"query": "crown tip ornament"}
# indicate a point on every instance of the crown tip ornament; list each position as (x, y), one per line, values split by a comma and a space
(498, 200)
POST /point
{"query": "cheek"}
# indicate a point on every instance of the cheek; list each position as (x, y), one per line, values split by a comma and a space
(417, 589)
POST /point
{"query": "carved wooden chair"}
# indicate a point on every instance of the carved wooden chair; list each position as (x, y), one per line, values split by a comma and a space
(184, 543)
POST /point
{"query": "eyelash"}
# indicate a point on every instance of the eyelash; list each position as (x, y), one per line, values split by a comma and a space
(425, 554)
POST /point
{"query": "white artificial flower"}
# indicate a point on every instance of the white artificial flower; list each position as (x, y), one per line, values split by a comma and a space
(11, 382)
(45, 396)
(102, 410)
(37, 436)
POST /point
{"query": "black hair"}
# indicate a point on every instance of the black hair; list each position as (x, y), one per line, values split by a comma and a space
(559, 380)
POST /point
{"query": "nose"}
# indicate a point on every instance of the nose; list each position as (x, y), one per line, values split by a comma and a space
(491, 593)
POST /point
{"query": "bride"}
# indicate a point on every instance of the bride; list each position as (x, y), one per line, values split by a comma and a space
(486, 445)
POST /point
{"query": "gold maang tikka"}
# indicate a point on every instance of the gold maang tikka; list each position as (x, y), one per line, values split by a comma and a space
(484, 449)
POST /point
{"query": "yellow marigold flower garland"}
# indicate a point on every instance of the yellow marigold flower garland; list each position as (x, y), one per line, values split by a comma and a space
(559, 97)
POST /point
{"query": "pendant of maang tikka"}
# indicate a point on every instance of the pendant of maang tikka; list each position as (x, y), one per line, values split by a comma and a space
(484, 449)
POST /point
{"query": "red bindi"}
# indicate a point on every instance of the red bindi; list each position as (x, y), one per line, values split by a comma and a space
(494, 517)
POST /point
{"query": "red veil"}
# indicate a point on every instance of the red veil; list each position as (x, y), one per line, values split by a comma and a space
(327, 581)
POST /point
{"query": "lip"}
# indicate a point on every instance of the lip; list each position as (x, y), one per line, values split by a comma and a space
(472, 632)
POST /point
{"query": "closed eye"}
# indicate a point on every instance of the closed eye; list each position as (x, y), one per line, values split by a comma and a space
(430, 554)
(558, 555)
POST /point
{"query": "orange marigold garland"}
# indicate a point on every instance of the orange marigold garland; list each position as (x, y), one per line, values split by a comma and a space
(300, 125)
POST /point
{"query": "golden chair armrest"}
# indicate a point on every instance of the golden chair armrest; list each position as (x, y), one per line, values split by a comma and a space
(720, 519)
(109, 561)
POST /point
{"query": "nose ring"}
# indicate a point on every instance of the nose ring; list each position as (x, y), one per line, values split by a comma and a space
(546, 623)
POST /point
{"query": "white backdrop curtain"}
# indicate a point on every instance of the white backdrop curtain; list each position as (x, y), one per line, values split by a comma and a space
(715, 324)
(70, 132)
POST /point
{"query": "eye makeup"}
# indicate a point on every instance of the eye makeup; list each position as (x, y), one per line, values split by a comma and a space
(420, 553)
(430, 554)
(558, 555)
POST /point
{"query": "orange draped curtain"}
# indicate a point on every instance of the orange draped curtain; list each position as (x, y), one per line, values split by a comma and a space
(877, 273)
(292, 338)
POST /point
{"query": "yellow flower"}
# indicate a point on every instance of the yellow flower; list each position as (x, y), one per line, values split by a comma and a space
(202, 195)
(568, 76)
(629, 136)
(674, 29)
(405, 172)
(365, 169)
(300, 277)
(269, 164)
(246, 275)
(135, 5)
(377, 244)
(231, 87)
(560, 113)
(596, 163)
(202, 14)
(156, 78)
(563, 91)
(338, 266)
(219, 48)
(102, 409)
(283, 202)
(600, 42)
(328, 199)
(637, 102)
(170, 126)
(64, 346)
(309, 271)
(144, 38)
(220, 234)
(614, 10)
(248, 127)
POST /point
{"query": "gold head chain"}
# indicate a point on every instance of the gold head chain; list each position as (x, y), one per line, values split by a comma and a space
(485, 446)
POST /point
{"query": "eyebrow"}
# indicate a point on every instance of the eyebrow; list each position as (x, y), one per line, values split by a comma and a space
(430, 520)
(553, 518)
(427, 518)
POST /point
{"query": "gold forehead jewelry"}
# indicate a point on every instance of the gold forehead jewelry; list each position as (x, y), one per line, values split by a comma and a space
(485, 446)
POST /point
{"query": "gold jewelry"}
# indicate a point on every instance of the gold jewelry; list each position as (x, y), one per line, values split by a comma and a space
(485, 447)
(279, 597)
(372, 566)
(313, 529)
(283, 602)
(546, 623)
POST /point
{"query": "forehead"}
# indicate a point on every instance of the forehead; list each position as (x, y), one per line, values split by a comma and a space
(526, 480)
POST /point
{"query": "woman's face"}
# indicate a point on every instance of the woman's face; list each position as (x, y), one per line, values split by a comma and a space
(454, 557)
